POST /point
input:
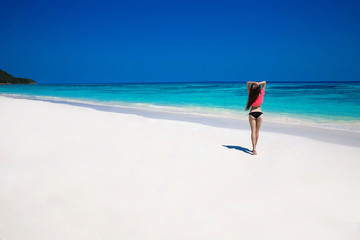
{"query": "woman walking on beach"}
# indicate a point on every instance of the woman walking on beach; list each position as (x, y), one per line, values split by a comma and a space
(256, 92)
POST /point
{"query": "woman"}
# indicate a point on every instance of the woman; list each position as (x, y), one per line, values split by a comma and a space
(256, 92)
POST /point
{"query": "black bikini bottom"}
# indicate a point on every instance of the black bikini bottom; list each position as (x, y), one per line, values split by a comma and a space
(255, 114)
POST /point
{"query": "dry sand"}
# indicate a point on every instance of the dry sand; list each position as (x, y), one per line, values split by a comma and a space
(70, 172)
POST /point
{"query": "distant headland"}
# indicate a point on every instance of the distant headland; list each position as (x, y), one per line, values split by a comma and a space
(6, 79)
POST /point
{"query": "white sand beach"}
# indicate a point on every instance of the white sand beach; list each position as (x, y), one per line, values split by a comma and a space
(69, 172)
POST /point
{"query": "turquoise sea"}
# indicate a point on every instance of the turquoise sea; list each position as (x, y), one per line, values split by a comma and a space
(323, 104)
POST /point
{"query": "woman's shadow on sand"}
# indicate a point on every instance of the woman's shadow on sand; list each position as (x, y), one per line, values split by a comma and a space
(245, 150)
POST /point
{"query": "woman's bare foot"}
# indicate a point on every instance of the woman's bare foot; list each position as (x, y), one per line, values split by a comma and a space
(254, 152)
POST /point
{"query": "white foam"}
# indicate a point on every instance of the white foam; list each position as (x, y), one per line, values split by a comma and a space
(350, 124)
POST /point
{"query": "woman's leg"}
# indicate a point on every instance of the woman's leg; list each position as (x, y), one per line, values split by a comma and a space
(252, 122)
(258, 125)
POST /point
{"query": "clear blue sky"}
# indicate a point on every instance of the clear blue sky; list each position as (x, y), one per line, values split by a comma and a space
(164, 41)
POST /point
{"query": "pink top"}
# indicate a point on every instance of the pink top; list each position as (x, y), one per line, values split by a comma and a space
(259, 99)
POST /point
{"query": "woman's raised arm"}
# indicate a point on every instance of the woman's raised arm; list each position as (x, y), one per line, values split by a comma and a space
(263, 83)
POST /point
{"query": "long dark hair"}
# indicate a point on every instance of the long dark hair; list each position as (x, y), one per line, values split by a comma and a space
(254, 93)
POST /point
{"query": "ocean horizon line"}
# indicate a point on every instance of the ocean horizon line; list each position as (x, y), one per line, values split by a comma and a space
(198, 82)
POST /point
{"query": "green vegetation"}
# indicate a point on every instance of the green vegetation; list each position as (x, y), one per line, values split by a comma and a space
(6, 78)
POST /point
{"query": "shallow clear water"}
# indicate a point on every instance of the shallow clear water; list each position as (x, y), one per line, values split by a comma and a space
(319, 102)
